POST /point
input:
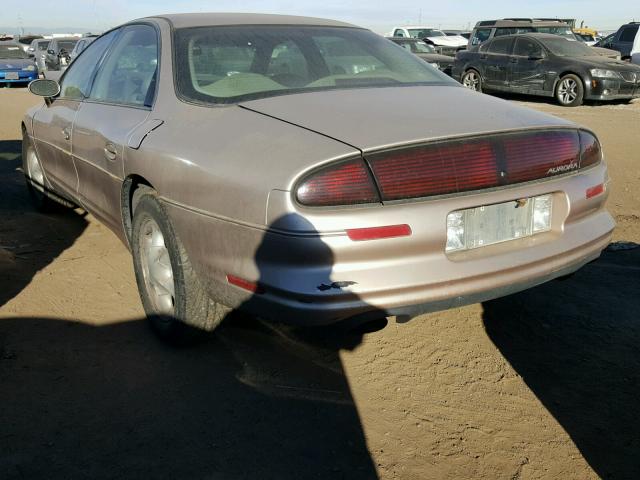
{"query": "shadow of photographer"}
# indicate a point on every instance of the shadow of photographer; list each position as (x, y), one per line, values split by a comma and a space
(256, 400)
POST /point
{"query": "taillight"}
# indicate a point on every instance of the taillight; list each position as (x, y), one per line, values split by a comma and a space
(590, 151)
(436, 169)
(347, 183)
(541, 154)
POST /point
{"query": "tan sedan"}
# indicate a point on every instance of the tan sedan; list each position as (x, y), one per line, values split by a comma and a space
(309, 171)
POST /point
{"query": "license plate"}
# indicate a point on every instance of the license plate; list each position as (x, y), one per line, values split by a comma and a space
(501, 222)
(11, 76)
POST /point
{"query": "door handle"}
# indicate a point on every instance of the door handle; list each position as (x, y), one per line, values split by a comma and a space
(65, 133)
(513, 60)
(110, 151)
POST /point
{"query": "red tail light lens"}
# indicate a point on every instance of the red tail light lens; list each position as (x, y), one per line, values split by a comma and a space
(436, 169)
(541, 154)
(347, 183)
(590, 151)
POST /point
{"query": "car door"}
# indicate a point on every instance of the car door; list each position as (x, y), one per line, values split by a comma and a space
(120, 100)
(53, 124)
(527, 72)
(495, 58)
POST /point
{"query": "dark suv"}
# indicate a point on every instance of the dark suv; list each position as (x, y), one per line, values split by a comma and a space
(622, 40)
(487, 29)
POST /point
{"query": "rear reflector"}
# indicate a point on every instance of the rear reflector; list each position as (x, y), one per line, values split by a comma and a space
(376, 233)
(347, 183)
(244, 284)
(595, 191)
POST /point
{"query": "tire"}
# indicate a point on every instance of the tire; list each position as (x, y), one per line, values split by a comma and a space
(472, 80)
(35, 179)
(174, 298)
(570, 91)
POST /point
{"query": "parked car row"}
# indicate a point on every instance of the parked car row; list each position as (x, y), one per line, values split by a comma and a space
(546, 65)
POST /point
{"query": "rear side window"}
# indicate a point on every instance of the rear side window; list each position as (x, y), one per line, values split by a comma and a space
(629, 34)
(481, 35)
(77, 80)
(128, 75)
(501, 32)
(501, 46)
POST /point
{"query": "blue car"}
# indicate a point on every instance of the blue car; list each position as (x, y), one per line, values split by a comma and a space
(15, 64)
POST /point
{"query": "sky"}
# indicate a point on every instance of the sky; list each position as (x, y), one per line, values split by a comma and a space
(380, 16)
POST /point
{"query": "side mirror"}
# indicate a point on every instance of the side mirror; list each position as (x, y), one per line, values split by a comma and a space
(45, 87)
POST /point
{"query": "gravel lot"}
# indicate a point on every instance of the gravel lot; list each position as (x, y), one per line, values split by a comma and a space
(542, 384)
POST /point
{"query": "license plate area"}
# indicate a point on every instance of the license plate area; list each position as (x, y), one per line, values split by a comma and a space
(11, 76)
(490, 224)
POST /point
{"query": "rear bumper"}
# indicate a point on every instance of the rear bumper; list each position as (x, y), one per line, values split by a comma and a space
(309, 273)
(23, 77)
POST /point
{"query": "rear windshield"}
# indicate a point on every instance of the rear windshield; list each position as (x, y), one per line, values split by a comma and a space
(568, 48)
(67, 45)
(231, 64)
(425, 32)
(12, 51)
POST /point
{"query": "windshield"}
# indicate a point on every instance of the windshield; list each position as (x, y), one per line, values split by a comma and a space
(425, 32)
(230, 64)
(12, 51)
(567, 48)
(565, 32)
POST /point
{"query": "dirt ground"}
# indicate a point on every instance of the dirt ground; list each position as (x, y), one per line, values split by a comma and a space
(542, 384)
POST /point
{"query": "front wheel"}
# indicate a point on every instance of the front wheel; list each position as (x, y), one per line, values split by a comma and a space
(172, 295)
(570, 91)
(472, 80)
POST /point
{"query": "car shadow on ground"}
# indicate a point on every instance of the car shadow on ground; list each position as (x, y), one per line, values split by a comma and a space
(575, 343)
(29, 240)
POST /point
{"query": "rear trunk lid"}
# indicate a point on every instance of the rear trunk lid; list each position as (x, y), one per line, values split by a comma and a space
(379, 118)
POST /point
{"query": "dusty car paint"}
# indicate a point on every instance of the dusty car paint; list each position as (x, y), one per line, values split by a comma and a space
(226, 173)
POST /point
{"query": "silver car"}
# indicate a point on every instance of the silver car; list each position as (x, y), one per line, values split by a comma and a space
(309, 171)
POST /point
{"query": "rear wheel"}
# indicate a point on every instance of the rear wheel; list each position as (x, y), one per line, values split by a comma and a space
(472, 80)
(570, 91)
(172, 295)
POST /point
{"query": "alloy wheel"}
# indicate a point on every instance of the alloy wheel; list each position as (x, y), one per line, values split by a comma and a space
(156, 268)
(471, 80)
(568, 91)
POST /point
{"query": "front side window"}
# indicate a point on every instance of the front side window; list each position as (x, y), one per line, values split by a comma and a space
(236, 63)
(525, 47)
(77, 80)
(501, 46)
(128, 75)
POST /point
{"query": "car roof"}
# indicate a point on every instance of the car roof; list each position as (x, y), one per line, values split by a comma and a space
(521, 22)
(182, 20)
